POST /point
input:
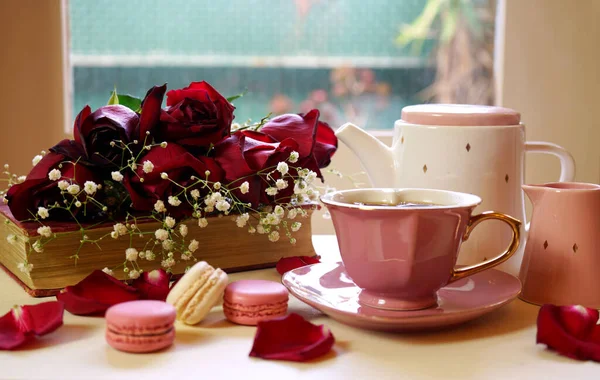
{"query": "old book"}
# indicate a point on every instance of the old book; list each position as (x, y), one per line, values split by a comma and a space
(222, 244)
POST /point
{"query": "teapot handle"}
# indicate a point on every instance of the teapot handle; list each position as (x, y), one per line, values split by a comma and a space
(567, 163)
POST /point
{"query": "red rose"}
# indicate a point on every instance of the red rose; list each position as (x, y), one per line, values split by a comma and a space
(38, 190)
(180, 166)
(151, 109)
(196, 117)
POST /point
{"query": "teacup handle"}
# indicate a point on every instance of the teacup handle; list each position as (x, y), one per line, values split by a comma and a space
(515, 225)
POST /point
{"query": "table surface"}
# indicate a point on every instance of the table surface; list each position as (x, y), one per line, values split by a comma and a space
(500, 345)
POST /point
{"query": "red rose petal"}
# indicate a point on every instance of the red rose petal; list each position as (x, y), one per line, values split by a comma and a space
(96, 293)
(22, 322)
(286, 264)
(153, 285)
(291, 338)
(556, 328)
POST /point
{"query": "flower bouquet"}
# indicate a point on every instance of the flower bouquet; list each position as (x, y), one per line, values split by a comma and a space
(141, 187)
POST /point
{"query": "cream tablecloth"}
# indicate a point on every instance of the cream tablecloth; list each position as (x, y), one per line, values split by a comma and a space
(500, 345)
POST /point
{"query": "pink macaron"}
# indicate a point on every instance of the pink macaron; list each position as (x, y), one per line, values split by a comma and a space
(247, 302)
(140, 326)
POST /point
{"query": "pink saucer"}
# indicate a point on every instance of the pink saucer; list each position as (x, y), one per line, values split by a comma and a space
(327, 287)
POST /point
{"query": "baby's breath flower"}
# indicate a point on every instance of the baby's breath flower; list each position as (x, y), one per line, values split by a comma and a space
(150, 255)
(44, 231)
(272, 219)
(134, 274)
(12, 239)
(43, 212)
(202, 222)
(282, 168)
(194, 245)
(294, 157)
(185, 256)
(21, 179)
(311, 176)
(251, 230)
(223, 205)
(142, 254)
(242, 220)
(73, 189)
(170, 222)
(148, 166)
(274, 236)
(292, 213)
(168, 245)
(108, 272)
(281, 184)
(174, 201)
(120, 229)
(54, 175)
(164, 175)
(90, 187)
(183, 230)
(131, 254)
(300, 187)
(114, 234)
(260, 229)
(36, 160)
(63, 185)
(38, 247)
(168, 263)
(209, 209)
(292, 241)
(272, 191)
(217, 185)
(163, 144)
(159, 206)
(116, 176)
(195, 194)
(161, 234)
(245, 187)
(207, 173)
(77, 204)
(279, 211)
(25, 267)
(295, 226)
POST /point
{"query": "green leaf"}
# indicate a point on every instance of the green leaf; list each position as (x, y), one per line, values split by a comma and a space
(235, 97)
(131, 102)
(114, 98)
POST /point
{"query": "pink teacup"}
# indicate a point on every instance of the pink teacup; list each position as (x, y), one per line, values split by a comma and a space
(402, 255)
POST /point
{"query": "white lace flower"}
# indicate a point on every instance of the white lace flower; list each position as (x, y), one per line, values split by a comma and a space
(116, 176)
(134, 274)
(120, 229)
(25, 267)
(43, 212)
(164, 175)
(77, 204)
(183, 230)
(148, 166)
(161, 234)
(12, 239)
(108, 271)
(251, 230)
(260, 229)
(63, 185)
(90, 187)
(167, 263)
(36, 160)
(282, 168)
(294, 157)
(195, 194)
(73, 189)
(168, 245)
(54, 175)
(295, 226)
(274, 236)
(159, 206)
(223, 205)
(272, 219)
(44, 231)
(300, 187)
(194, 245)
(174, 201)
(272, 191)
(241, 220)
(38, 247)
(217, 185)
(114, 234)
(279, 211)
(202, 222)
(293, 241)
(131, 254)
(149, 255)
(281, 184)
(311, 176)
(163, 144)
(292, 214)
(170, 222)
(245, 187)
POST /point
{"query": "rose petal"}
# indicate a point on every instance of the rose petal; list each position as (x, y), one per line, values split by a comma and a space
(326, 144)
(557, 325)
(291, 338)
(96, 293)
(286, 264)
(302, 128)
(153, 285)
(150, 111)
(22, 322)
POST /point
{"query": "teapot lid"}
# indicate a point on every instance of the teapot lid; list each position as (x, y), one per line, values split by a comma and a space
(460, 115)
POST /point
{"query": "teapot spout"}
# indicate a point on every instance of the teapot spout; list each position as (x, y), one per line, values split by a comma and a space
(534, 192)
(375, 156)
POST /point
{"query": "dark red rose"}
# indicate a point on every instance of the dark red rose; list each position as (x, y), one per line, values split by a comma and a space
(196, 117)
(180, 166)
(250, 156)
(150, 116)
(95, 131)
(315, 138)
(571, 331)
(38, 190)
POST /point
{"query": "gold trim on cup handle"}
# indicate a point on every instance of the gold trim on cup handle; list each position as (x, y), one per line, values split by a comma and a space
(514, 224)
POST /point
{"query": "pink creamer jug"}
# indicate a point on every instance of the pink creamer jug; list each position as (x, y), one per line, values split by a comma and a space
(561, 262)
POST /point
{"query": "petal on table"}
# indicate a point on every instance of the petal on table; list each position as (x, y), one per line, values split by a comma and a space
(153, 285)
(286, 264)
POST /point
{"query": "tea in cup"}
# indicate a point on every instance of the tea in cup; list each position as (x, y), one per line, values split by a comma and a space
(401, 245)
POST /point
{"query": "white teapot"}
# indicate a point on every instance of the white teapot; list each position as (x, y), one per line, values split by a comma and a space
(472, 149)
